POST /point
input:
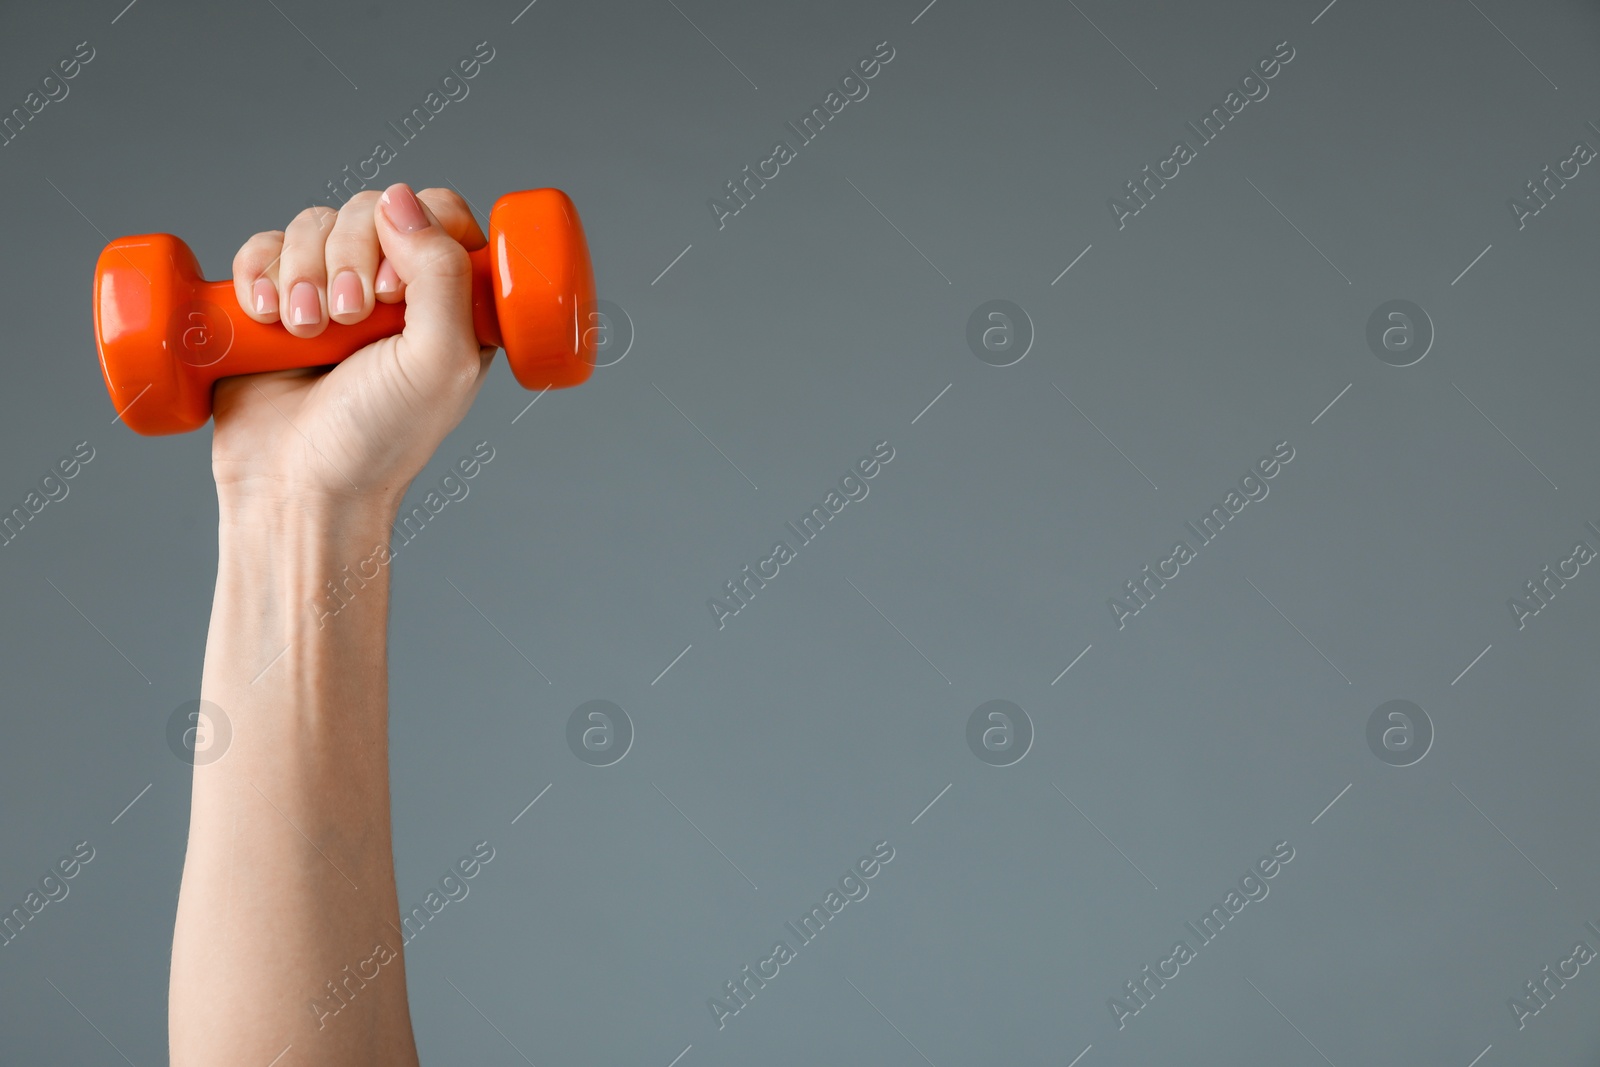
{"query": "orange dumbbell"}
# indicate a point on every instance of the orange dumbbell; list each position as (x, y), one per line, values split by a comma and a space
(165, 334)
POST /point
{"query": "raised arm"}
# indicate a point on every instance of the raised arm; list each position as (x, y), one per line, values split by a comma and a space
(287, 927)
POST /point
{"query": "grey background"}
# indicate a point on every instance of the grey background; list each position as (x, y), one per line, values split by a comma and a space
(795, 338)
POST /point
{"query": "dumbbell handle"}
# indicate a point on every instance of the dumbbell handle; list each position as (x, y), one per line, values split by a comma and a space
(212, 331)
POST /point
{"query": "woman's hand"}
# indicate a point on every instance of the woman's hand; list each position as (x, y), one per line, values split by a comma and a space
(288, 883)
(361, 431)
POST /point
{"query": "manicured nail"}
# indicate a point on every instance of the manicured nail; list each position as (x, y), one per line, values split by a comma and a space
(266, 297)
(387, 281)
(304, 307)
(346, 293)
(403, 209)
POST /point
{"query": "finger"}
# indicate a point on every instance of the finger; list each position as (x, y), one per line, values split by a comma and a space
(255, 275)
(438, 348)
(302, 271)
(455, 215)
(387, 286)
(352, 259)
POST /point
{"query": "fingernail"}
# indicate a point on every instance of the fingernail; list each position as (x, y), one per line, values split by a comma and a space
(387, 281)
(346, 293)
(304, 307)
(403, 209)
(266, 297)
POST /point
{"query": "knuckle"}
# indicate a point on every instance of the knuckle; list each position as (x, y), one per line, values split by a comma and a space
(257, 252)
(313, 218)
(446, 260)
(447, 198)
(349, 248)
(361, 202)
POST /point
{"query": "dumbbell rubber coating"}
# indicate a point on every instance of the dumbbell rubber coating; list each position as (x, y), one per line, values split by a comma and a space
(165, 334)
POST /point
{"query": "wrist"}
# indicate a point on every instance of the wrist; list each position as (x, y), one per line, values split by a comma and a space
(302, 562)
(301, 609)
(249, 520)
(282, 509)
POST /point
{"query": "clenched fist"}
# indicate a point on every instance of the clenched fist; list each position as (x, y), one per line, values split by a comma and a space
(362, 430)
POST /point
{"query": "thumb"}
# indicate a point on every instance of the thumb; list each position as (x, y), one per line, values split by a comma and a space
(438, 344)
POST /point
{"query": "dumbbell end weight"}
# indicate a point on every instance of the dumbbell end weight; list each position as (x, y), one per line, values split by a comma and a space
(165, 334)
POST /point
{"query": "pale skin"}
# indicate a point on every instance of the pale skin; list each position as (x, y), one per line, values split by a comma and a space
(289, 875)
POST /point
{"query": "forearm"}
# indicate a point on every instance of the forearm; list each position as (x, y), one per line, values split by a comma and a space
(287, 926)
